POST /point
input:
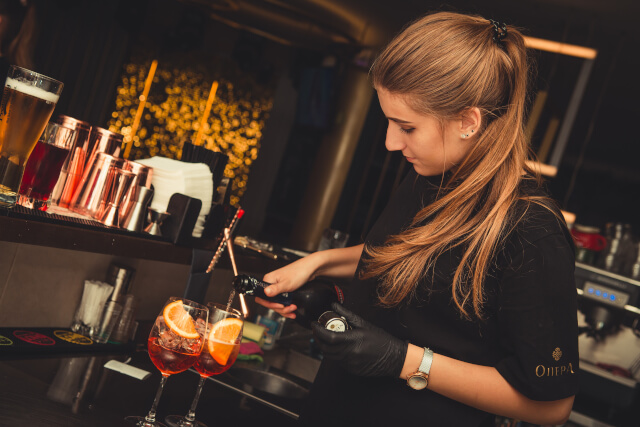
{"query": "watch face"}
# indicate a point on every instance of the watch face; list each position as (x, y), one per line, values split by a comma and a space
(417, 382)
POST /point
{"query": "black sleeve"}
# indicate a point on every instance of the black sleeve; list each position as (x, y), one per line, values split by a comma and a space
(538, 315)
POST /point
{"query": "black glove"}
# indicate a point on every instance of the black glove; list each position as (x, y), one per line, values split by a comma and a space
(364, 350)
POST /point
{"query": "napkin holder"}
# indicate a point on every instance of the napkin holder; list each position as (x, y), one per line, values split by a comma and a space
(184, 211)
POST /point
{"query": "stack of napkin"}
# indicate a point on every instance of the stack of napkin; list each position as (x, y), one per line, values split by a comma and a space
(173, 176)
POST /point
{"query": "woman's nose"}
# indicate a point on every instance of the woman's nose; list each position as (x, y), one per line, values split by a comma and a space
(393, 143)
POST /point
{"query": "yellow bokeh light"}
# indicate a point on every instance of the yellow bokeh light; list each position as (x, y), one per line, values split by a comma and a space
(173, 111)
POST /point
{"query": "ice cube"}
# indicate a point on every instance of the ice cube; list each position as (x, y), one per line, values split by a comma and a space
(170, 340)
(191, 345)
(201, 327)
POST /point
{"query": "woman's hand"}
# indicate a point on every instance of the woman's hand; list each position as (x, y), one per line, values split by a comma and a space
(364, 350)
(338, 263)
(287, 279)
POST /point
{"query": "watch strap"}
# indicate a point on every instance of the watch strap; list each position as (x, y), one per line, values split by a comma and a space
(427, 360)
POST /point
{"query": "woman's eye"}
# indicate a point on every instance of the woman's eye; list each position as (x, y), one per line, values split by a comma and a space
(409, 130)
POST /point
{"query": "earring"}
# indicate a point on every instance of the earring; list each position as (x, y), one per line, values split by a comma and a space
(472, 131)
(464, 135)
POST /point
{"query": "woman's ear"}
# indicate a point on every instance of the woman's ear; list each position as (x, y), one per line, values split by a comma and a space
(470, 122)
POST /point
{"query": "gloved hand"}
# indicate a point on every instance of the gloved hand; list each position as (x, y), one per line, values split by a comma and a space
(365, 350)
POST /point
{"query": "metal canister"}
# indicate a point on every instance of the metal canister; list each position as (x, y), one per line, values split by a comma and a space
(90, 192)
(102, 141)
(73, 167)
(142, 178)
(120, 276)
(333, 321)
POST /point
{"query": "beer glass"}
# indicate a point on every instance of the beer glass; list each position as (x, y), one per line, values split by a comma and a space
(44, 165)
(27, 104)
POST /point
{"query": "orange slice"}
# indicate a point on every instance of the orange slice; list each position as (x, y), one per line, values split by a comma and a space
(179, 321)
(224, 335)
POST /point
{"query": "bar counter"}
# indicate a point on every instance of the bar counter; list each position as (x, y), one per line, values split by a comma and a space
(77, 390)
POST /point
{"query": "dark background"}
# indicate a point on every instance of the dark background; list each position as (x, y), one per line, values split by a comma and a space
(85, 44)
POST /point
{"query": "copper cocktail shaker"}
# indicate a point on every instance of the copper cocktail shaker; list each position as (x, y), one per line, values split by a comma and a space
(72, 169)
(91, 191)
(102, 141)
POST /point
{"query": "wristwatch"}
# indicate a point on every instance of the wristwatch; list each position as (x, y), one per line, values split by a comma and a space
(420, 378)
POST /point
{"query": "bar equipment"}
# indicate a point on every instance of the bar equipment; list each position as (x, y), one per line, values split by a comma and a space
(134, 221)
(90, 193)
(119, 277)
(609, 342)
(102, 141)
(27, 104)
(110, 315)
(312, 300)
(243, 302)
(155, 222)
(89, 312)
(124, 327)
(223, 243)
(43, 167)
(142, 178)
(117, 186)
(608, 300)
(73, 167)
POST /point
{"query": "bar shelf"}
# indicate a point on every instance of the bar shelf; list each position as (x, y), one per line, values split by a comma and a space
(26, 226)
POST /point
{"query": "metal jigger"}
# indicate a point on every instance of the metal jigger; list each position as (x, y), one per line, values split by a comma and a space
(120, 182)
(155, 218)
(134, 221)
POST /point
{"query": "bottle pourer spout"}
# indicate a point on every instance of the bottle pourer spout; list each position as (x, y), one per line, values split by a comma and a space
(243, 303)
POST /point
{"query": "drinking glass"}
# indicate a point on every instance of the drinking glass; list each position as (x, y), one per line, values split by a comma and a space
(221, 348)
(175, 342)
(27, 104)
(43, 167)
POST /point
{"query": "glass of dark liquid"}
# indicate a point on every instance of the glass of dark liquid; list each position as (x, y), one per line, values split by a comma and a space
(27, 104)
(43, 167)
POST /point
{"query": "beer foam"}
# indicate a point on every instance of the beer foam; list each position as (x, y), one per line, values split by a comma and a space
(31, 90)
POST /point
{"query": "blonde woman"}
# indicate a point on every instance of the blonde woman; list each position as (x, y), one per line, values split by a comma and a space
(463, 301)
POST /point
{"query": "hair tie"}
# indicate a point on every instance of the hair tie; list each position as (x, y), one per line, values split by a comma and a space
(499, 29)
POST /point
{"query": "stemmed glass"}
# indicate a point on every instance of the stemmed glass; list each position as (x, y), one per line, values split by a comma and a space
(221, 348)
(175, 342)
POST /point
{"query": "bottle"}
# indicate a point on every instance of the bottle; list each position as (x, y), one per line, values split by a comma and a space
(274, 323)
(312, 299)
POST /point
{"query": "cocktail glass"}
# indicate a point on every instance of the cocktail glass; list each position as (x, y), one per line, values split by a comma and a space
(175, 342)
(221, 348)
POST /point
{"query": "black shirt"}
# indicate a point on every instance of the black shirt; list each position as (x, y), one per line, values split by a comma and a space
(529, 333)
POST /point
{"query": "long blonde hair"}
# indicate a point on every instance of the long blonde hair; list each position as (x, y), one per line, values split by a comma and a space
(441, 65)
